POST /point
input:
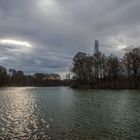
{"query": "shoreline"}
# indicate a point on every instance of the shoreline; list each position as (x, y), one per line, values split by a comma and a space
(76, 88)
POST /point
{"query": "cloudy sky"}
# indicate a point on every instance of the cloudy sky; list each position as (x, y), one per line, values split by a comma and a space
(44, 35)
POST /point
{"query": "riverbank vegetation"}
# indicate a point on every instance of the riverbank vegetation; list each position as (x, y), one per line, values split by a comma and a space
(97, 71)
(11, 77)
(107, 72)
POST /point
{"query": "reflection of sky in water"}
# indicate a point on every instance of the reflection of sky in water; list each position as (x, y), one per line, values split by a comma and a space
(62, 113)
(21, 114)
(22, 109)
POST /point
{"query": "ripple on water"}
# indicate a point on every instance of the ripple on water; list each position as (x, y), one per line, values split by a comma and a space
(63, 113)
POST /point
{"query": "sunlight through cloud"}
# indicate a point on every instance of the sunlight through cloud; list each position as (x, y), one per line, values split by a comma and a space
(15, 42)
(122, 47)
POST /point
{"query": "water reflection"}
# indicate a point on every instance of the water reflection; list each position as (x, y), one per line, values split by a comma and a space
(62, 113)
(21, 107)
(21, 116)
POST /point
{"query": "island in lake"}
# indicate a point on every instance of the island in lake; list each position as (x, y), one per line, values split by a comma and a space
(99, 71)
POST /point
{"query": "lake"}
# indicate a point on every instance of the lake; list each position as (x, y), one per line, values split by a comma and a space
(61, 113)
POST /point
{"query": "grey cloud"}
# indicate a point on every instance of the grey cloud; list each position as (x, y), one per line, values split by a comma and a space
(61, 30)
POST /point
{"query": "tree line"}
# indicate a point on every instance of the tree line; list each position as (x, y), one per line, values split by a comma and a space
(11, 77)
(101, 71)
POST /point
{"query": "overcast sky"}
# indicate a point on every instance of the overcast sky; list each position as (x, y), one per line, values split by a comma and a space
(44, 35)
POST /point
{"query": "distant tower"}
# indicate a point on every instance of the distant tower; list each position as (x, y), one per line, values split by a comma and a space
(96, 47)
(96, 55)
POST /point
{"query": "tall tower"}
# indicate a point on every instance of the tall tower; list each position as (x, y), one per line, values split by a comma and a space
(96, 47)
(96, 58)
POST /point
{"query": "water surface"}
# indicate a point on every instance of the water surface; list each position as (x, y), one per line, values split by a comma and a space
(61, 113)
